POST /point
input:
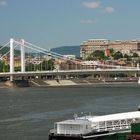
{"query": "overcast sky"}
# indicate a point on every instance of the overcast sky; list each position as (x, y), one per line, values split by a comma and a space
(54, 23)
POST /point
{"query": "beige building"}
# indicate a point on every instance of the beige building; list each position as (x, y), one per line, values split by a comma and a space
(125, 47)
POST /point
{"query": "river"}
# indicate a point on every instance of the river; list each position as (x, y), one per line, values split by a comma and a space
(29, 113)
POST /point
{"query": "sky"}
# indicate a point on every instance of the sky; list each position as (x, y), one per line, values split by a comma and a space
(55, 23)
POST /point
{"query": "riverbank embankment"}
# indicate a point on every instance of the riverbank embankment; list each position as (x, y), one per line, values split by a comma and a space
(82, 81)
(68, 82)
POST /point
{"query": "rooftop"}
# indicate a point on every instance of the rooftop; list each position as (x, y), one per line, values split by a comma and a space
(74, 121)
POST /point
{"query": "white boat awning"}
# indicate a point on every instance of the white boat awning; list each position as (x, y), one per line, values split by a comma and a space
(118, 116)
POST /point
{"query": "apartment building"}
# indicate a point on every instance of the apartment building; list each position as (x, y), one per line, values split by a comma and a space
(125, 47)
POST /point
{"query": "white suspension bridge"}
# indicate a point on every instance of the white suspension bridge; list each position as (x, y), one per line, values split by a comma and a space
(79, 69)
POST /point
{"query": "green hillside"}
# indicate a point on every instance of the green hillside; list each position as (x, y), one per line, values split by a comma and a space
(64, 50)
(68, 50)
(7, 49)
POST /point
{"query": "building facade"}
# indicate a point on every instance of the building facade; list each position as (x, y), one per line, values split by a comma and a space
(125, 47)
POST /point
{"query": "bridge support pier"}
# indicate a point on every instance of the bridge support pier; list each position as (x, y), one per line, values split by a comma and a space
(11, 58)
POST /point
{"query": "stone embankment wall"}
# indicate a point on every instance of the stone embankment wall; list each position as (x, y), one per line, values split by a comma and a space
(71, 82)
(16, 83)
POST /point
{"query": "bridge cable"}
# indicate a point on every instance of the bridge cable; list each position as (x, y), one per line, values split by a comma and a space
(50, 51)
(4, 46)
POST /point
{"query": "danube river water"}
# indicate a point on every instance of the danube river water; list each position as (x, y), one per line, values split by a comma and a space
(29, 113)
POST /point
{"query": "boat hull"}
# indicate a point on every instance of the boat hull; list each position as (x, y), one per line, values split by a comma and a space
(74, 138)
(91, 136)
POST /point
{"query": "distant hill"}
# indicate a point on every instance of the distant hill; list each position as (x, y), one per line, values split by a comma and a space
(7, 49)
(67, 50)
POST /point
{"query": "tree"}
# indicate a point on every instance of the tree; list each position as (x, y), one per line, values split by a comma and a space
(135, 55)
(111, 51)
(118, 55)
(4, 67)
(98, 54)
(1, 66)
(127, 57)
(17, 68)
(29, 67)
(47, 65)
(50, 64)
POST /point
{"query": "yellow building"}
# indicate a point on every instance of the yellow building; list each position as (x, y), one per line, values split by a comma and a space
(17, 61)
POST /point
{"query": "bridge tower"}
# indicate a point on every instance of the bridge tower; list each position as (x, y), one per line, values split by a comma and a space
(22, 42)
(22, 56)
(11, 58)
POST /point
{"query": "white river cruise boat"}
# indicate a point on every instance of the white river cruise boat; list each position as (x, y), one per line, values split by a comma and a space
(91, 127)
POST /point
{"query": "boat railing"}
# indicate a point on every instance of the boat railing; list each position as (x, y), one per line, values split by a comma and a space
(115, 125)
